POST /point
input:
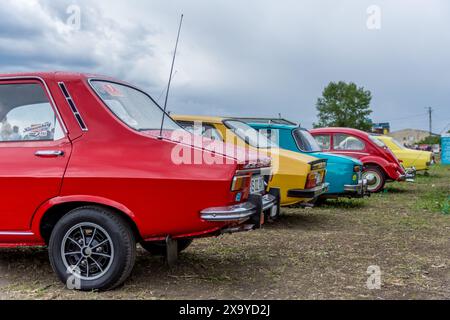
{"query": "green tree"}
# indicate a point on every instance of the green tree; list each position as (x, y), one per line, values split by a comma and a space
(344, 105)
(431, 140)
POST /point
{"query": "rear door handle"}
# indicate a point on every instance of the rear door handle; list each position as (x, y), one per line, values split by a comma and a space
(49, 153)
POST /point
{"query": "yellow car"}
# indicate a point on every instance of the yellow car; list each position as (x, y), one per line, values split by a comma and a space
(420, 160)
(300, 178)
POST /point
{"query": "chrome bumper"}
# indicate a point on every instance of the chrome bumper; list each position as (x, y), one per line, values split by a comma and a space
(269, 201)
(238, 212)
(309, 193)
(360, 188)
(409, 176)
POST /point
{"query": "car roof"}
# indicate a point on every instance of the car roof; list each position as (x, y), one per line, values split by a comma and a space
(355, 132)
(185, 117)
(267, 120)
(57, 75)
(271, 125)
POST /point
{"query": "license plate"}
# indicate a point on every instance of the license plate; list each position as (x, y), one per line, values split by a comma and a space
(257, 184)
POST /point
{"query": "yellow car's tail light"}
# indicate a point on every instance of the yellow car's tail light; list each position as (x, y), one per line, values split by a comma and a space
(312, 180)
(318, 165)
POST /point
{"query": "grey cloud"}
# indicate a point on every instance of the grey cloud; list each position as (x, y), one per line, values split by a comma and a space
(248, 58)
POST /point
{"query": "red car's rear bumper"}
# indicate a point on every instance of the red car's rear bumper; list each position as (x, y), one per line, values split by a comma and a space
(239, 212)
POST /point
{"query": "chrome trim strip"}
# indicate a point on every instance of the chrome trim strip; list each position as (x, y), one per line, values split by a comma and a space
(73, 107)
(55, 107)
(264, 171)
(16, 233)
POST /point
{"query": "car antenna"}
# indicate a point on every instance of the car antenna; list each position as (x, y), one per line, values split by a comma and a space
(170, 79)
(165, 89)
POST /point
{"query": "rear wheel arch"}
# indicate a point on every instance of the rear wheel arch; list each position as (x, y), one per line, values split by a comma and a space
(53, 214)
(374, 164)
(380, 163)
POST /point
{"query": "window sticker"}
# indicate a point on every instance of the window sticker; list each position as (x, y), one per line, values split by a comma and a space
(38, 130)
(112, 90)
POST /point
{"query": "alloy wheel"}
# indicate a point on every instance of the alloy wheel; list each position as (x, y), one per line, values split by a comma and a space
(87, 251)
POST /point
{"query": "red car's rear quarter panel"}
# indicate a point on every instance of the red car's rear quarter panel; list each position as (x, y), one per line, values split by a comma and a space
(114, 162)
(163, 196)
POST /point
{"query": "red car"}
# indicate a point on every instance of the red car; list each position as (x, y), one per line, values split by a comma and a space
(85, 169)
(380, 164)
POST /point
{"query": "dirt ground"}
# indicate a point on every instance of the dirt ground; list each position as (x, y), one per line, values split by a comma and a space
(319, 253)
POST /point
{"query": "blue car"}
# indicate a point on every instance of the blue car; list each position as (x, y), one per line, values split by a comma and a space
(344, 174)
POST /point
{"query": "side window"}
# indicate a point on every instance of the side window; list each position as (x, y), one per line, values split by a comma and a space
(207, 130)
(271, 134)
(323, 141)
(347, 142)
(211, 132)
(187, 125)
(26, 114)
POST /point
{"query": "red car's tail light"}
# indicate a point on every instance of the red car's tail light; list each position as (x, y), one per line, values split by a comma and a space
(240, 187)
(240, 183)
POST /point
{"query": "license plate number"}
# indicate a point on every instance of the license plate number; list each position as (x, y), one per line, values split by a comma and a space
(257, 184)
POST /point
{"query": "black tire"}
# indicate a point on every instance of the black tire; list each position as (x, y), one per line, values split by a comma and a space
(380, 178)
(99, 226)
(158, 248)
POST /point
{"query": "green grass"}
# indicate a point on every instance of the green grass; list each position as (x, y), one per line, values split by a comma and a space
(316, 253)
(436, 196)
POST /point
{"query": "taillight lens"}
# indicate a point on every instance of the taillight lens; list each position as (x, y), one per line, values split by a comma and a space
(313, 180)
(240, 187)
(318, 165)
(357, 168)
(240, 183)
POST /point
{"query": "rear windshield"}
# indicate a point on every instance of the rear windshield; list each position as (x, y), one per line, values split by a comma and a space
(250, 135)
(398, 144)
(305, 141)
(377, 141)
(134, 107)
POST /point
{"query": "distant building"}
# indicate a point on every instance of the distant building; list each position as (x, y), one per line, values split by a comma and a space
(381, 127)
(410, 137)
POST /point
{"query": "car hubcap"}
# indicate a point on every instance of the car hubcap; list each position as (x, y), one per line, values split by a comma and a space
(87, 251)
(373, 180)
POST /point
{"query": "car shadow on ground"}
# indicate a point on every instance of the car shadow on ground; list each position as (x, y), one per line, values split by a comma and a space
(31, 266)
(301, 221)
(8, 257)
(343, 203)
(395, 190)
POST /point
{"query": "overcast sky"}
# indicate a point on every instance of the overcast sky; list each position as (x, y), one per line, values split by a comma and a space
(247, 58)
